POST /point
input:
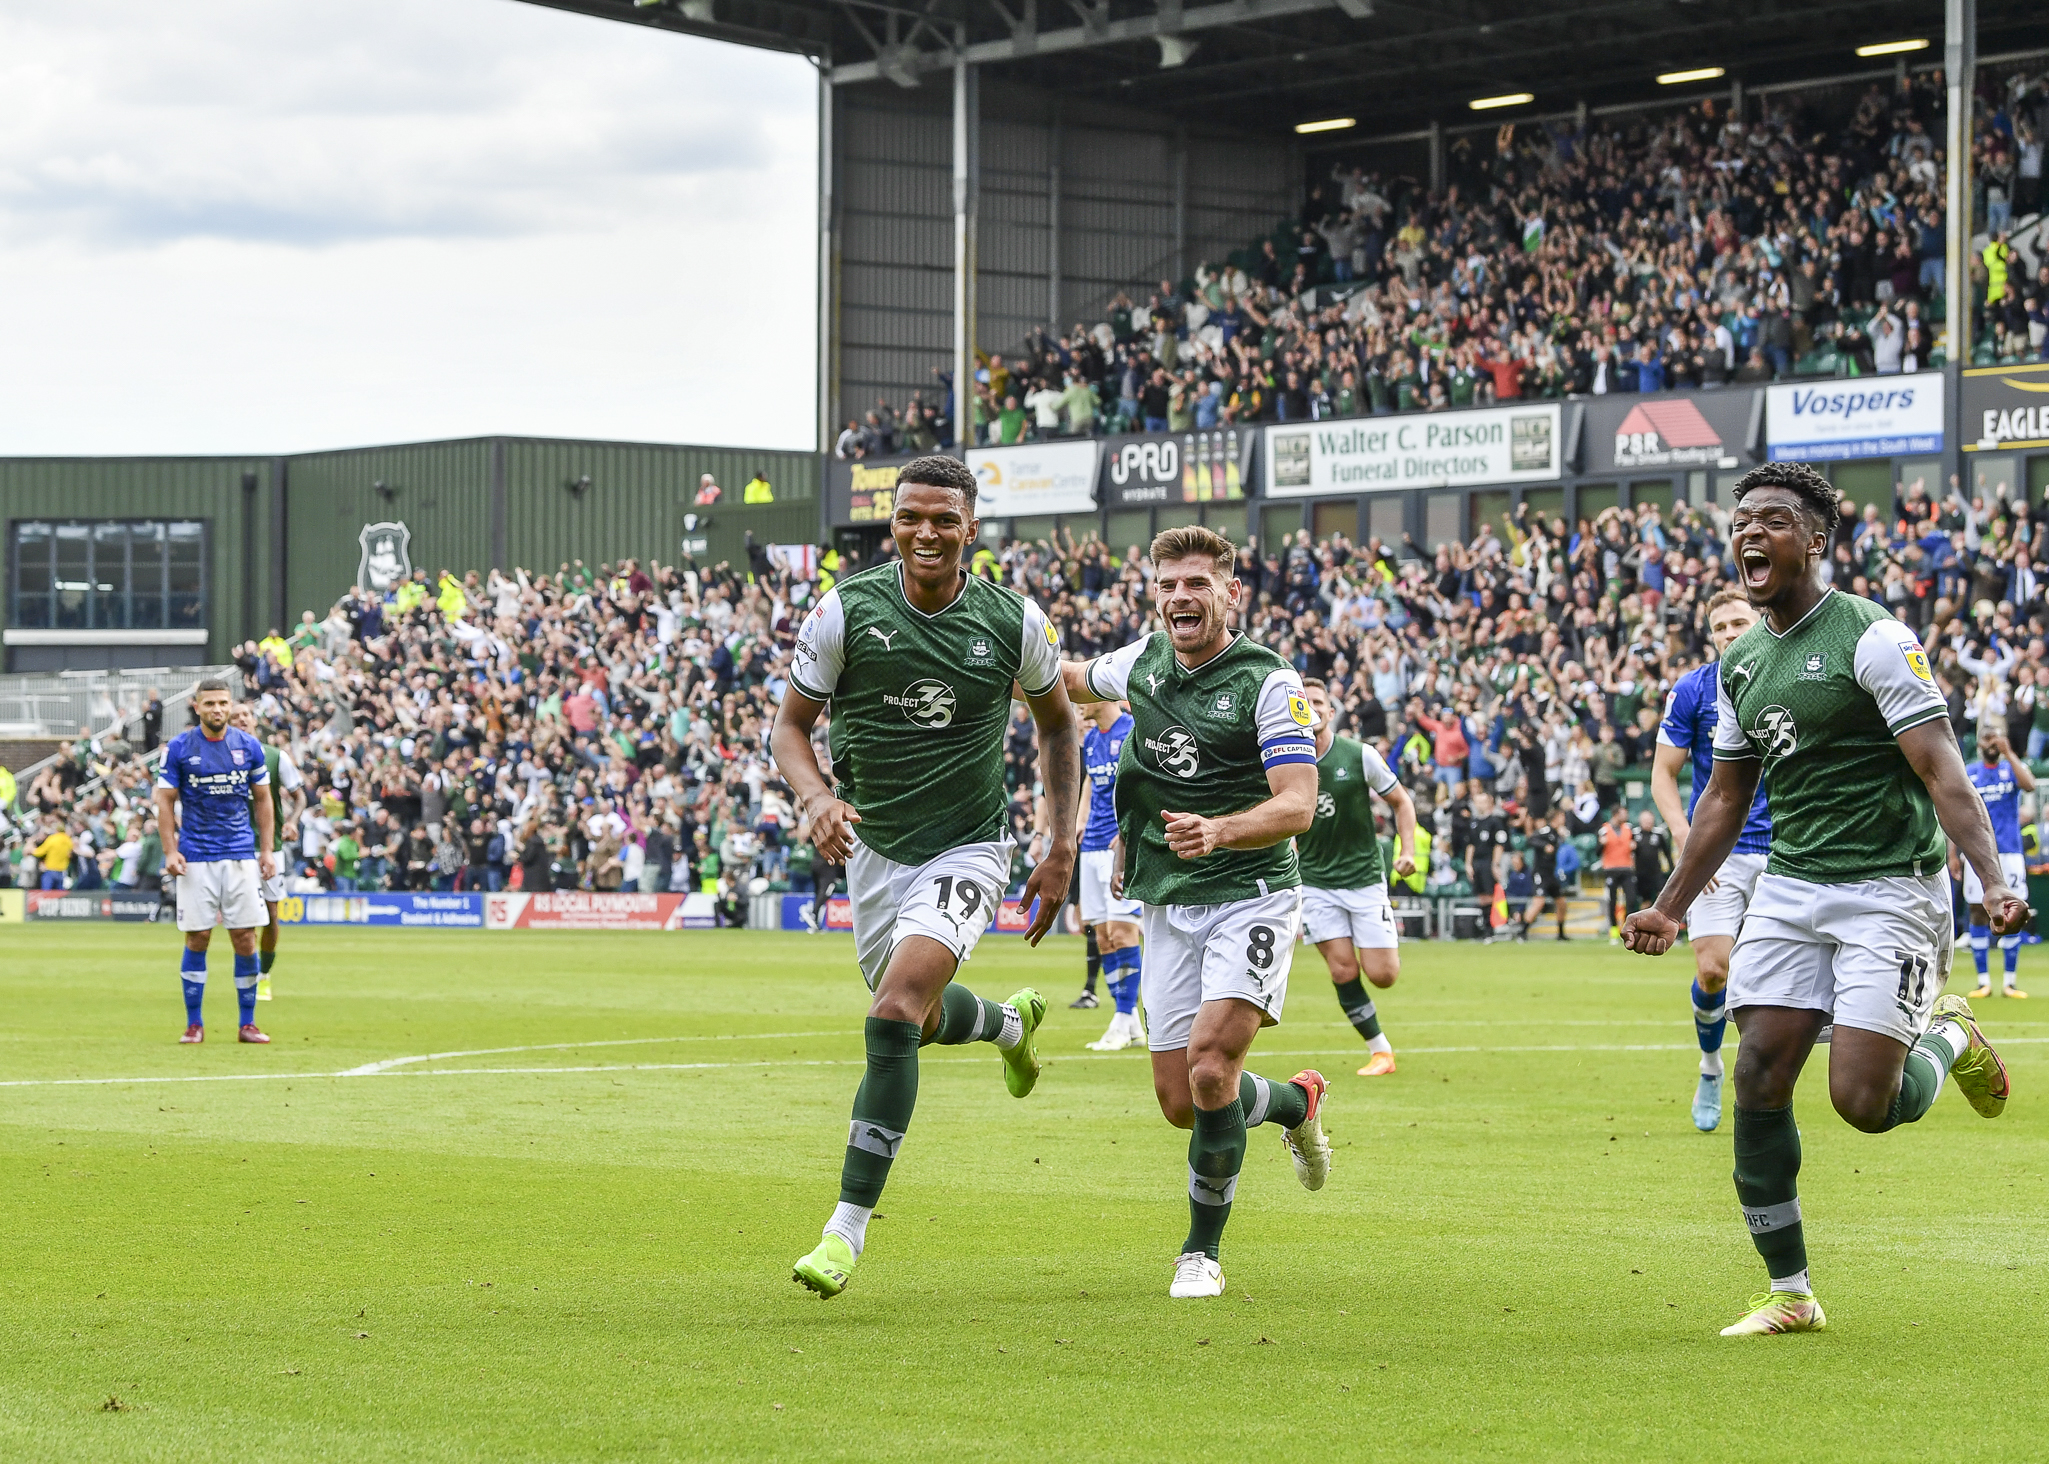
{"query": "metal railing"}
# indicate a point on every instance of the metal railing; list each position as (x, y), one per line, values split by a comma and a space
(103, 701)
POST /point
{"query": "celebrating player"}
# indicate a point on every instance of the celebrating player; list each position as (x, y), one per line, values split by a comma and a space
(917, 659)
(1217, 776)
(1114, 920)
(285, 781)
(1345, 909)
(217, 776)
(1711, 924)
(1832, 701)
(2000, 778)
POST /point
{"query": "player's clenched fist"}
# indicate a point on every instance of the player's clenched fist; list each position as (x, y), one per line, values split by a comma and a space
(1650, 932)
(832, 832)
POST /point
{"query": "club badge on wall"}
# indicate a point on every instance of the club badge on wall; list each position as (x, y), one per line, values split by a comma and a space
(387, 558)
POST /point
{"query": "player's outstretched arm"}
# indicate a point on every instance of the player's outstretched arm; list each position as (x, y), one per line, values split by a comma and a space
(1289, 812)
(1060, 776)
(1717, 821)
(1932, 750)
(790, 743)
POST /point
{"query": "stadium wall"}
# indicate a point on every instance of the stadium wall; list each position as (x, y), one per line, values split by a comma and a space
(284, 533)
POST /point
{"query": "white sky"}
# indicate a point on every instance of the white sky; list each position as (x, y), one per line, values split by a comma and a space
(266, 226)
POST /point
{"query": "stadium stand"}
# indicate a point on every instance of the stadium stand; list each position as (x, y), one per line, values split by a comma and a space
(607, 728)
(1660, 251)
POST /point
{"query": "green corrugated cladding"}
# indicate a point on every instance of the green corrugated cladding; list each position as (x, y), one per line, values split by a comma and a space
(638, 496)
(240, 522)
(444, 493)
(441, 491)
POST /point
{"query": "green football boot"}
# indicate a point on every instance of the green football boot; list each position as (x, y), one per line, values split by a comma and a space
(1779, 1311)
(1980, 1075)
(828, 1269)
(1021, 1063)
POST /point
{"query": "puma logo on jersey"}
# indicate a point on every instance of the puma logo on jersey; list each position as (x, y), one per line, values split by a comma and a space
(1152, 682)
(885, 637)
(1739, 671)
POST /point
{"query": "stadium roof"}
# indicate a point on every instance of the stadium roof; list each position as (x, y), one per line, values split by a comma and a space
(1263, 66)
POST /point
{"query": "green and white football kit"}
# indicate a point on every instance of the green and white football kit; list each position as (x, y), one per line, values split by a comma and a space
(1201, 742)
(1344, 883)
(920, 704)
(1852, 913)
(284, 777)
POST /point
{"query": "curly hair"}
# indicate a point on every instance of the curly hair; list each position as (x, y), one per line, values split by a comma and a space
(1820, 495)
(939, 471)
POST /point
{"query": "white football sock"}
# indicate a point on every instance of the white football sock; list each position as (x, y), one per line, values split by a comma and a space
(1013, 1029)
(1711, 1064)
(1379, 1044)
(850, 1223)
(1796, 1282)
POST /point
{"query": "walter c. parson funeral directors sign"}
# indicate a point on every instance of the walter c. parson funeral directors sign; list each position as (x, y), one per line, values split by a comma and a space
(1414, 450)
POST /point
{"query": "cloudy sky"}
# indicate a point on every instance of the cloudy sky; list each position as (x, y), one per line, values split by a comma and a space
(253, 225)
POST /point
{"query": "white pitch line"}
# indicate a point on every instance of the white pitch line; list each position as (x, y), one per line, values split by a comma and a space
(372, 1069)
(376, 1071)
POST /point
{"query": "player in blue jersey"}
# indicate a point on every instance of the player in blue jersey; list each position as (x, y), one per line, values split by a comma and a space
(1712, 923)
(2000, 778)
(1115, 920)
(214, 814)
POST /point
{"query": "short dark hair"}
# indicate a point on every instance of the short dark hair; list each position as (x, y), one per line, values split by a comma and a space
(1820, 495)
(212, 683)
(936, 470)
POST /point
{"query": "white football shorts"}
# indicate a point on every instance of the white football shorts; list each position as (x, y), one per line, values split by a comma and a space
(1874, 952)
(1364, 914)
(1720, 911)
(221, 892)
(1202, 953)
(1097, 903)
(951, 898)
(2013, 866)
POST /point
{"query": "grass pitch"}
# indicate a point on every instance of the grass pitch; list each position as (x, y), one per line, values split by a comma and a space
(569, 1236)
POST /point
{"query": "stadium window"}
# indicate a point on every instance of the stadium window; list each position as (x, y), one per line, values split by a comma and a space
(1590, 500)
(1927, 471)
(1652, 490)
(1489, 509)
(1869, 481)
(2038, 476)
(1277, 521)
(1031, 530)
(1545, 503)
(1387, 518)
(1444, 520)
(1130, 526)
(1725, 487)
(107, 575)
(1992, 476)
(1338, 517)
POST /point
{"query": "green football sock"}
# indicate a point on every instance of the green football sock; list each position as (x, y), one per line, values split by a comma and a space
(1767, 1188)
(882, 1109)
(1264, 1101)
(1216, 1152)
(965, 1017)
(1928, 1063)
(1358, 1007)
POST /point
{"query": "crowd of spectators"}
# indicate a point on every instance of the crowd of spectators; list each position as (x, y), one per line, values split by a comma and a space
(1686, 251)
(607, 729)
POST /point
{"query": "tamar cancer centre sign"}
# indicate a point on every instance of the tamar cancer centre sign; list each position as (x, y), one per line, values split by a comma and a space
(1418, 450)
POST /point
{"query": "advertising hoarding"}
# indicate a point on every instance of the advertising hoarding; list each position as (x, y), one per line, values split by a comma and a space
(1177, 467)
(2005, 408)
(1695, 429)
(597, 910)
(1490, 445)
(1035, 478)
(1870, 416)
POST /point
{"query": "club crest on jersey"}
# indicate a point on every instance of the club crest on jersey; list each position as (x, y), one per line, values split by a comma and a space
(1175, 751)
(1815, 668)
(236, 754)
(1222, 706)
(978, 647)
(1775, 733)
(927, 703)
(1344, 773)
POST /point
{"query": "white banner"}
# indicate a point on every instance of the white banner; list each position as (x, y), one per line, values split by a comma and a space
(1043, 477)
(1870, 416)
(1516, 444)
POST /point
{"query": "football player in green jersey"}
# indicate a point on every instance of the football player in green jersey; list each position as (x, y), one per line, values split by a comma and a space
(288, 801)
(917, 659)
(1216, 777)
(1345, 910)
(1830, 700)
